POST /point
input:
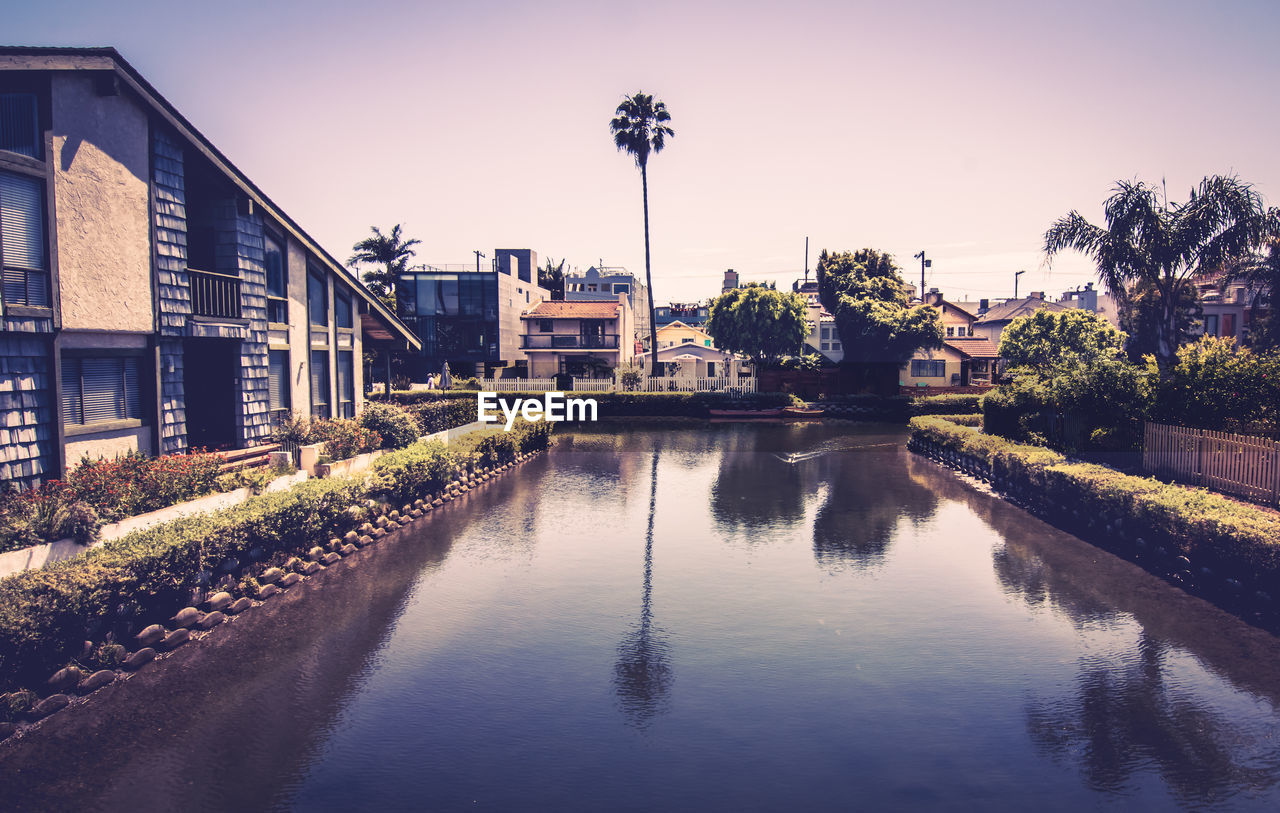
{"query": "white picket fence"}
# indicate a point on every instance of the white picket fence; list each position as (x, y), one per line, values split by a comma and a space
(517, 384)
(595, 385)
(734, 386)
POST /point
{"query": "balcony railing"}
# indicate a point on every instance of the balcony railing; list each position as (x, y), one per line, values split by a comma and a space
(214, 295)
(557, 341)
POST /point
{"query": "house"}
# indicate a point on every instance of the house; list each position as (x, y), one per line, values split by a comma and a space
(678, 333)
(1094, 301)
(607, 283)
(154, 298)
(991, 324)
(964, 359)
(694, 361)
(693, 314)
(588, 339)
(470, 318)
(1229, 308)
(823, 336)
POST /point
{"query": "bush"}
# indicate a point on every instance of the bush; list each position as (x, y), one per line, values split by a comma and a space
(952, 404)
(393, 423)
(436, 411)
(45, 514)
(344, 438)
(134, 483)
(1217, 385)
(630, 379)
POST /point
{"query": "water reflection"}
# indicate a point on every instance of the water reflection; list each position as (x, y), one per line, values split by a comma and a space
(757, 489)
(866, 498)
(642, 676)
(1125, 717)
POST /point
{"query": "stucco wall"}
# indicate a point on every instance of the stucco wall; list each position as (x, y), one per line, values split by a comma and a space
(100, 157)
(951, 358)
(107, 444)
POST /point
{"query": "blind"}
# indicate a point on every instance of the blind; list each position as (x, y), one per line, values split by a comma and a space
(346, 376)
(95, 390)
(72, 408)
(19, 124)
(320, 383)
(278, 378)
(342, 305)
(21, 222)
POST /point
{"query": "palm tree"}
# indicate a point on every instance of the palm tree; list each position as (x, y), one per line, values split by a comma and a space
(388, 250)
(1163, 246)
(639, 128)
(552, 278)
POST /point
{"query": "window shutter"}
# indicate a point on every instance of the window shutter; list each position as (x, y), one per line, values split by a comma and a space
(21, 222)
(72, 408)
(103, 390)
(19, 131)
(278, 379)
(132, 392)
(319, 383)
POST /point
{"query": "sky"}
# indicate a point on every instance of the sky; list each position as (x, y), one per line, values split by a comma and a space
(960, 129)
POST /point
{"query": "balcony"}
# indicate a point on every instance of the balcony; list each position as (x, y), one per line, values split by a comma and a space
(560, 341)
(216, 296)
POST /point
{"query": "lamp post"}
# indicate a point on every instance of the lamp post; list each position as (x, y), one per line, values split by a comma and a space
(923, 265)
(479, 256)
(1016, 274)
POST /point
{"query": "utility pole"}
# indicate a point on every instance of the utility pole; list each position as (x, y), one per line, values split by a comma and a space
(806, 259)
(479, 256)
(923, 265)
(1015, 282)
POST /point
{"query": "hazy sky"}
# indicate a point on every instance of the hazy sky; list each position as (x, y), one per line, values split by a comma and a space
(963, 129)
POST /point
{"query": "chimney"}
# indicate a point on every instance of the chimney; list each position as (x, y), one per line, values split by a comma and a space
(1037, 295)
(984, 305)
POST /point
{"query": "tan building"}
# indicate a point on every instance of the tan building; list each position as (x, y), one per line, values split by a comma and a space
(964, 360)
(678, 333)
(154, 298)
(588, 339)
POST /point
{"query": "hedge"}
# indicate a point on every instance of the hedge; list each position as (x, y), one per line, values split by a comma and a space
(1205, 528)
(114, 590)
(957, 404)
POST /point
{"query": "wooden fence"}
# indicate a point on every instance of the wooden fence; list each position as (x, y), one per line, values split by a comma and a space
(517, 384)
(1240, 465)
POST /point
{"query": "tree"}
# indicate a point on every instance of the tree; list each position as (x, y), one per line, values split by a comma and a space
(1218, 385)
(639, 128)
(1261, 272)
(877, 324)
(1163, 245)
(1140, 318)
(1046, 339)
(552, 278)
(391, 252)
(757, 321)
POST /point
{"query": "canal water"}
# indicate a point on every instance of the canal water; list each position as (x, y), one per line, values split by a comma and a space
(684, 616)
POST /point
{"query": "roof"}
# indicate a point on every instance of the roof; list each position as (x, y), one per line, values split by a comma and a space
(109, 59)
(574, 309)
(678, 323)
(974, 348)
(676, 350)
(1013, 308)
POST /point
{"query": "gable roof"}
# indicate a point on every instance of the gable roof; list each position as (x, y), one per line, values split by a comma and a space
(574, 309)
(1012, 309)
(678, 323)
(26, 58)
(981, 348)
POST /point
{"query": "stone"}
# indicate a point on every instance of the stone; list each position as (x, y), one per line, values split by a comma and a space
(185, 617)
(139, 659)
(175, 639)
(66, 678)
(52, 703)
(151, 635)
(437, 502)
(239, 605)
(331, 558)
(417, 503)
(219, 600)
(316, 553)
(366, 529)
(211, 620)
(96, 681)
(381, 522)
(393, 516)
(347, 550)
(271, 576)
(289, 580)
(364, 541)
(269, 591)
(311, 568)
(378, 533)
(415, 513)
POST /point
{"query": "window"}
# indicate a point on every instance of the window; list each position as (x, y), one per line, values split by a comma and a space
(100, 390)
(621, 288)
(277, 281)
(545, 326)
(1211, 325)
(951, 332)
(960, 331)
(706, 342)
(278, 381)
(22, 241)
(20, 124)
(320, 383)
(346, 385)
(928, 368)
(342, 309)
(317, 298)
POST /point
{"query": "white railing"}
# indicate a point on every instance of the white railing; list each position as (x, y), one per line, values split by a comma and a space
(734, 386)
(595, 385)
(517, 384)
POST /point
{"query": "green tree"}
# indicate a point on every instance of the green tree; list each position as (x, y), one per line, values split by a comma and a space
(1140, 318)
(1261, 272)
(878, 327)
(1216, 384)
(392, 252)
(757, 321)
(640, 128)
(1164, 245)
(1046, 339)
(552, 278)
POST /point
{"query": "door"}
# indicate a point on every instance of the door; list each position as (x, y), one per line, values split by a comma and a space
(211, 385)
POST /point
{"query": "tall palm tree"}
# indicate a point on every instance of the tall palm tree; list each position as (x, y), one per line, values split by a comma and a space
(391, 252)
(1164, 245)
(639, 128)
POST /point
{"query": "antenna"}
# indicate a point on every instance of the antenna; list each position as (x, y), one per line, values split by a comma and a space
(1016, 274)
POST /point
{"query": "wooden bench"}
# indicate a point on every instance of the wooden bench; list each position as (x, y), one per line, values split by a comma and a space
(251, 458)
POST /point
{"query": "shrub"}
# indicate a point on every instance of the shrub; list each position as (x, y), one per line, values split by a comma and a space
(950, 404)
(630, 379)
(44, 514)
(413, 473)
(437, 411)
(393, 423)
(134, 483)
(344, 438)
(293, 429)
(1217, 385)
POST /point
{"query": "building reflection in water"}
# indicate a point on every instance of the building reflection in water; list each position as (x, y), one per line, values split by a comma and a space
(642, 676)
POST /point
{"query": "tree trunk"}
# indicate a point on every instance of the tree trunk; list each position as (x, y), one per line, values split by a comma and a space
(1167, 334)
(648, 275)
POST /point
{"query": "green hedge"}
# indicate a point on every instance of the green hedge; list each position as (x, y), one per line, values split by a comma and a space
(957, 404)
(438, 410)
(117, 589)
(1208, 529)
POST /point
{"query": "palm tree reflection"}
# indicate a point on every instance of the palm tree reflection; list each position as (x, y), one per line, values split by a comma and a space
(642, 676)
